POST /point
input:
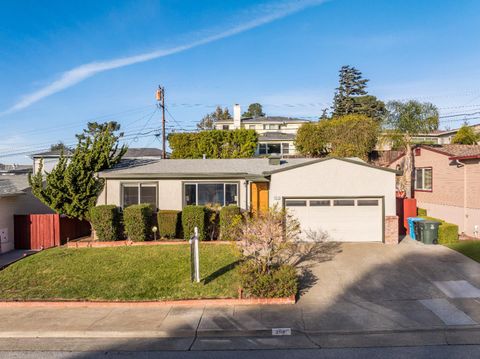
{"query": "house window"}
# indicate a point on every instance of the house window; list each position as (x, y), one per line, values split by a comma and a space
(211, 193)
(225, 127)
(423, 179)
(285, 148)
(251, 127)
(295, 203)
(136, 193)
(274, 148)
(271, 127)
(262, 149)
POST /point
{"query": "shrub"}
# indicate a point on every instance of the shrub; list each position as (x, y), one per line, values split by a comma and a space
(447, 232)
(212, 212)
(169, 223)
(194, 216)
(278, 282)
(107, 222)
(422, 212)
(138, 222)
(230, 218)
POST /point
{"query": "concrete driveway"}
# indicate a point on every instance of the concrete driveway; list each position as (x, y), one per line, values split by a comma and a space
(372, 286)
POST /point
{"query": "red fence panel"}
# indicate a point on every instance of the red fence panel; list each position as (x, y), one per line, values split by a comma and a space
(40, 231)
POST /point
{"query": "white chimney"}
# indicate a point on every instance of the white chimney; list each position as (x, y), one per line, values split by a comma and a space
(237, 116)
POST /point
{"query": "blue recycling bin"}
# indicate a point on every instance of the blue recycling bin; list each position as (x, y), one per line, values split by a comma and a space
(411, 221)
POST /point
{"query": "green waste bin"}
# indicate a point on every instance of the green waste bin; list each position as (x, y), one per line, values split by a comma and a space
(429, 232)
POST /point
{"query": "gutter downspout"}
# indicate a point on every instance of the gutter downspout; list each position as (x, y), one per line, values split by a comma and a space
(464, 194)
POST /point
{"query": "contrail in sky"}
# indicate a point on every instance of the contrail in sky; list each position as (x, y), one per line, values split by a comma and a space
(82, 72)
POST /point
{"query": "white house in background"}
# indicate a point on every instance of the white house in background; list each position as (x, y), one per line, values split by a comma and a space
(276, 133)
(51, 158)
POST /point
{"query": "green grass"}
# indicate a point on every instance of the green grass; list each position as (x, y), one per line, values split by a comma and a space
(122, 273)
(469, 248)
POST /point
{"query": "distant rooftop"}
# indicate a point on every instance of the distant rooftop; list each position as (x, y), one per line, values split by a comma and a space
(131, 153)
(13, 185)
(273, 119)
(457, 151)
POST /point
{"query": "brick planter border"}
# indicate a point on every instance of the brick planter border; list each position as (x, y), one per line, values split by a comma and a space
(147, 304)
(128, 243)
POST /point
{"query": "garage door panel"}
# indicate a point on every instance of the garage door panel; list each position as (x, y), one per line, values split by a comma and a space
(361, 222)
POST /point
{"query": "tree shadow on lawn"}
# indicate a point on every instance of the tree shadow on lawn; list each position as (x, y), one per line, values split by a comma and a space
(219, 272)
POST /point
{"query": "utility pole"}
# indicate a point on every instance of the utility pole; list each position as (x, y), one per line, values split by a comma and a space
(160, 96)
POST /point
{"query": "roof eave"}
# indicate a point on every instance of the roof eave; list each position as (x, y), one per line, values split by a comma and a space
(472, 157)
(174, 175)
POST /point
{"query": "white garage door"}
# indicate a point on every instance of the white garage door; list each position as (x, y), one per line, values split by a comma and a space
(339, 219)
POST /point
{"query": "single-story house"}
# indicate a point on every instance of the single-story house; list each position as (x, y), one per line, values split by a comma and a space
(447, 183)
(345, 198)
(15, 198)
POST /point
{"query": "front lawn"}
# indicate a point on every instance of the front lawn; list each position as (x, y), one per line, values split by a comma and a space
(122, 273)
(469, 248)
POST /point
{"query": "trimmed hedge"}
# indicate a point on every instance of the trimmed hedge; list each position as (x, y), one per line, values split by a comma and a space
(278, 283)
(230, 218)
(138, 222)
(194, 216)
(169, 223)
(107, 222)
(422, 212)
(447, 232)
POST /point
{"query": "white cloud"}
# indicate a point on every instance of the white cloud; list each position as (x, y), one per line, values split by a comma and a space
(268, 13)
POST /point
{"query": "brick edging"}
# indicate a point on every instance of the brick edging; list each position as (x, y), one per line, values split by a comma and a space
(127, 243)
(147, 304)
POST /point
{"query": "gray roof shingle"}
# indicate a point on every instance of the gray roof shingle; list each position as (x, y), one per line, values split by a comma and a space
(13, 184)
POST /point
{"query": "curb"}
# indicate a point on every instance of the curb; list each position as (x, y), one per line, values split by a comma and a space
(148, 304)
(234, 333)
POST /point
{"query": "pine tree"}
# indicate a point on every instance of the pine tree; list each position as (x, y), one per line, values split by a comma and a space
(351, 84)
(254, 110)
(209, 120)
(72, 187)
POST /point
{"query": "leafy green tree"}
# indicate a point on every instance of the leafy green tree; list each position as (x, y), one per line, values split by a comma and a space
(346, 136)
(311, 139)
(239, 143)
(466, 135)
(72, 187)
(406, 120)
(254, 110)
(371, 107)
(209, 120)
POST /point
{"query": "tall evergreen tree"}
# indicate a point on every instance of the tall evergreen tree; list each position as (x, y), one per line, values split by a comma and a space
(209, 120)
(254, 110)
(351, 84)
(351, 97)
(72, 187)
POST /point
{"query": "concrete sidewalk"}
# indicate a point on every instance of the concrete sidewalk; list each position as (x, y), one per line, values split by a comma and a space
(11, 257)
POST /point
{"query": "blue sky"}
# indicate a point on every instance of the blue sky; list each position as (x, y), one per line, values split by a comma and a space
(283, 54)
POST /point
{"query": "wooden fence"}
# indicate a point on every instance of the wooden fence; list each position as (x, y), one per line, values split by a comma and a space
(40, 231)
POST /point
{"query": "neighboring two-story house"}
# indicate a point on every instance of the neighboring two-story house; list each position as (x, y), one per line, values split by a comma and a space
(276, 133)
(447, 183)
